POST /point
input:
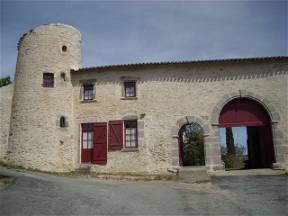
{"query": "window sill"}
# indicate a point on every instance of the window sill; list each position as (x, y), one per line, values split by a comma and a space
(129, 98)
(88, 101)
(130, 150)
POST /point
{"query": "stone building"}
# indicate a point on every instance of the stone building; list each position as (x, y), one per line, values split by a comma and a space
(130, 118)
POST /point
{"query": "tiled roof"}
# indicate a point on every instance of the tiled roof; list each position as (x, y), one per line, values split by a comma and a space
(142, 65)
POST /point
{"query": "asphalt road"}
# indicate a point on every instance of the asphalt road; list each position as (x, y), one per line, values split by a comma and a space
(42, 194)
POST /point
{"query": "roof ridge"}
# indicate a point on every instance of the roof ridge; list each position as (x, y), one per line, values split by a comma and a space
(185, 62)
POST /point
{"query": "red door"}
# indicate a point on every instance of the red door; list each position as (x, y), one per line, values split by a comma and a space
(87, 142)
(100, 143)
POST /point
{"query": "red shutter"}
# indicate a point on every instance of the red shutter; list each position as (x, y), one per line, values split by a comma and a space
(115, 138)
(100, 143)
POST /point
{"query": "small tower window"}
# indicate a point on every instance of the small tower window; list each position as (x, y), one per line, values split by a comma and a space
(64, 48)
(48, 80)
(63, 76)
(62, 122)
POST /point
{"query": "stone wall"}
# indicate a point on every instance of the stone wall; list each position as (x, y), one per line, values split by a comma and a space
(167, 94)
(36, 139)
(6, 94)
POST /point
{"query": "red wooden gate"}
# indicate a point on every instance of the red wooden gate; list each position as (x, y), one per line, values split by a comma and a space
(243, 112)
(246, 112)
(100, 143)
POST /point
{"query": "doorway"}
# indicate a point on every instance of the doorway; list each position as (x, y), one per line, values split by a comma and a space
(257, 149)
(191, 145)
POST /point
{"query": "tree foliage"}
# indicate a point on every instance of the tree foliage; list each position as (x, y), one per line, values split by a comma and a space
(230, 141)
(5, 81)
(194, 149)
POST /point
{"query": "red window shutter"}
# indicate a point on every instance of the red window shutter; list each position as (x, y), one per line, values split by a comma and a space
(115, 135)
(100, 143)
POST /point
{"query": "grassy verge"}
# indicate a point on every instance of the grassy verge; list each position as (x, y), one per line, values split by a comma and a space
(100, 175)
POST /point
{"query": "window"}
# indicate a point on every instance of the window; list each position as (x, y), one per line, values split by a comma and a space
(130, 88)
(62, 122)
(88, 92)
(63, 76)
(131, 134)
(48, 80)
(64, 48)
(87, 136)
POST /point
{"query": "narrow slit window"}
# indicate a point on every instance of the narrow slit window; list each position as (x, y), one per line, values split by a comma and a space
(62, 122)
(63, 76)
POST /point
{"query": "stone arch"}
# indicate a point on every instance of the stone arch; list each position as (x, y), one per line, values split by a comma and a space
(204, 124)
(189, 119)
(267, 104)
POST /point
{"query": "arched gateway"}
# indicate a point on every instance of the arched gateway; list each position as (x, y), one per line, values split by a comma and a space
(191, 145)
(248, 113)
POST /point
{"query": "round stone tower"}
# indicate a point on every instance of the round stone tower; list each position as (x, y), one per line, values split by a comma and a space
(41, 128)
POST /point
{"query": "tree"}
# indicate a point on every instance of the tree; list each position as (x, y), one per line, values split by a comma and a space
(5, 81)
(230, 141)
(194, 149)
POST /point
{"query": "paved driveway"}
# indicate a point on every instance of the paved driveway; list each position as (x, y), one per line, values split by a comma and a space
(33, 193)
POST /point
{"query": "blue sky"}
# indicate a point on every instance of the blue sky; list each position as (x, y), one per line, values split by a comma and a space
(239, 135)
(117, 32)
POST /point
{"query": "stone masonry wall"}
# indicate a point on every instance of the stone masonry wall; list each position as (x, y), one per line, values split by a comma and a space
(6, 94)
(167, 95)
(36, 139)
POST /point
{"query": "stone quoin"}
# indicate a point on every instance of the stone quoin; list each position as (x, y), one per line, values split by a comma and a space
(57, 116)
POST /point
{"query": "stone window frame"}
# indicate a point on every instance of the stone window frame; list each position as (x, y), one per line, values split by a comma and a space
(48, 83)
(140, 133)
(135, 124)
(58, 121)
(125, 79)
(87, 82)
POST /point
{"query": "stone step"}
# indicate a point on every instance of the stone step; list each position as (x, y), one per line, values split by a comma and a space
(194, 174)
(84, 168)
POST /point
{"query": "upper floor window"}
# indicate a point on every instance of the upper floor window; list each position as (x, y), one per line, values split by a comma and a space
(88, 92)
(130, 89)
(48, 80)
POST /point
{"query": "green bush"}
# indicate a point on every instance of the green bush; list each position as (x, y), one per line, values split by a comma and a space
(194, 149)
(5, 81)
